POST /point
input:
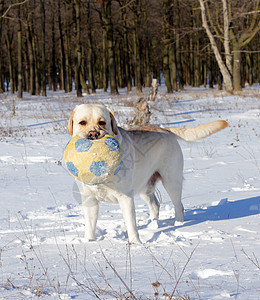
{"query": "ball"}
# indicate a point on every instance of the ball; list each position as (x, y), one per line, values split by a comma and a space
(93, 161)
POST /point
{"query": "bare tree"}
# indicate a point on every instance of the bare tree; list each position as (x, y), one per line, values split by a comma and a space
(223, 68)
(227, 36)
(240, 25)
(19, 54)
(90, 50)
(2, 87)
(43, 52)
(107, 19)
(78, 53)
(242, 38)
(127, 42)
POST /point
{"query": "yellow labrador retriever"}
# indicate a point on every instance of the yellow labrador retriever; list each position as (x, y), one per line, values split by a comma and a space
(149, 154)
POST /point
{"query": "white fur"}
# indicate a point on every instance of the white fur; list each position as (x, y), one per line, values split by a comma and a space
(145, 153)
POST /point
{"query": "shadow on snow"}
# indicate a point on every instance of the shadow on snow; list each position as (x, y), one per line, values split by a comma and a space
(225, 210)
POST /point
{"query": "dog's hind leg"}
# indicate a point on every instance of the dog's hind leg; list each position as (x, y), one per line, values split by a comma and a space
(174, 189)
(153, 204)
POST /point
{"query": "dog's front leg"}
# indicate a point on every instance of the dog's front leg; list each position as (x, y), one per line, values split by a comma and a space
(90, 210)
(128, 209)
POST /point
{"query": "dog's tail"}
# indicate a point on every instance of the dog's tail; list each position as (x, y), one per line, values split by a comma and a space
(199, 132)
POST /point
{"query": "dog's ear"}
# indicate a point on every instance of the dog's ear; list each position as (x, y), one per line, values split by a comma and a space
(70, 123)
(113, 122)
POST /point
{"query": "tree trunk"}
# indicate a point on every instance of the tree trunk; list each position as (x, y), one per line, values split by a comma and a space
(197, 63)
(30, 51)
(166, 69)
(173, 66)
(62, 52)
(19, 55)
(107, 19)
(249, 69)
(204, 66)
(91, 76)
(148, 78)
(104, 60)
(153, 90)
(67, 49)
(67, 53)
(191, 61)
(43, 50)
(36, 54)
(178, 47)
(242, 71)
(224, 71)
(27, 69)
(78, 73)
(53, 58)
(83, 74)
(219, 80)
(119, 64)
(172, 50)
(2, 86)
(210, 69)
(227, 36)
(237, 70)
(166, 49)
(10, 61)
(78, 50)
(138, 73)
(258, 67)
(126, 51)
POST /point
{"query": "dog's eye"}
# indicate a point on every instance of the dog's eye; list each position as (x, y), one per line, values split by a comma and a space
(102, 123)
(83, 123)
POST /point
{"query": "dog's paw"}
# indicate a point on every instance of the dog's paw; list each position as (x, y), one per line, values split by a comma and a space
(89, 238)
(178, 223)
(134, 240)
(86, 240)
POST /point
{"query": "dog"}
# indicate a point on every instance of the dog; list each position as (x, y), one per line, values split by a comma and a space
(150, 154)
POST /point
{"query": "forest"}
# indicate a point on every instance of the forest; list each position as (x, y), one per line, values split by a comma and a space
(110, 44)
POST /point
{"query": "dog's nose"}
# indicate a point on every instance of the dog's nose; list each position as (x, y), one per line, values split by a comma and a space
(93, 135)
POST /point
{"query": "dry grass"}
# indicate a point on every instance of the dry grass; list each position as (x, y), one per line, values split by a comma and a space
(35, 276)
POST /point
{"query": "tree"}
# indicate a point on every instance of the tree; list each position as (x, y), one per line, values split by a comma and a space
(178, 46)
(90, 51)
(107, 19)
(43, 73)
(242, 38)
(166, 4)
(62, 52)
(126, 46)
(8, 41)
(78, 54)
(136, 8)
(19, 53)
(2, 87)
(124, 43)
(223, 68)
(52, 63)
(239, 26)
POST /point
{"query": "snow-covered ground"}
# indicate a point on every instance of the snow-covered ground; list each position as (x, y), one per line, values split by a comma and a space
(215, 255)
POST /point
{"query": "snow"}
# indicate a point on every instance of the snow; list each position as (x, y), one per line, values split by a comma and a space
(214, 255)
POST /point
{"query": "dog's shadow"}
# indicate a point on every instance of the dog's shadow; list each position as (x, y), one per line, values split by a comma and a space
(224, 210)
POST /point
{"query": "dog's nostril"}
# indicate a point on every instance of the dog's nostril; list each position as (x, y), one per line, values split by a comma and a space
(93, 134)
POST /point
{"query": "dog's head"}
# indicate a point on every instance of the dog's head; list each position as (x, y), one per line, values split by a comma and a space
(92, 121)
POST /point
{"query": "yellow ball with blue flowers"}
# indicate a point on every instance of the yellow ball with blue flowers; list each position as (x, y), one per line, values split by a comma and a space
(93, 161)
